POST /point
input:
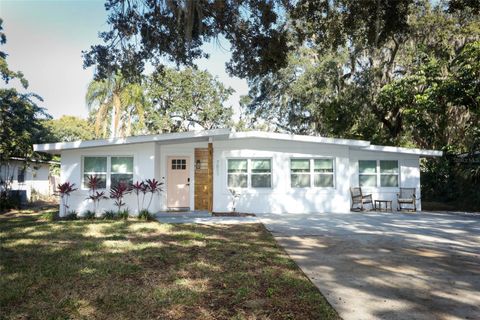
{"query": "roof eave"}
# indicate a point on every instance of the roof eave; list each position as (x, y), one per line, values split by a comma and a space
(298, 138)
(412, 151)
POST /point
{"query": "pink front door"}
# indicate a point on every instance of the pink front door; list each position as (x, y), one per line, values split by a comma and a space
(178, 182)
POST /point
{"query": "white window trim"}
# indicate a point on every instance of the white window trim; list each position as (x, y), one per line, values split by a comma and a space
(312, 172)
(249, 172)
(378, 174)
(108, 182)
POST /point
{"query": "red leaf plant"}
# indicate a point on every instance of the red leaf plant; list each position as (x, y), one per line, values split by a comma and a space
(140, 188)
(64, 190)
(118, 192)
(93, 183)
(154, 187)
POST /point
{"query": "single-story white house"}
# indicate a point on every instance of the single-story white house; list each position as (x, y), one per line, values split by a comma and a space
(272, 172)
(33, 178)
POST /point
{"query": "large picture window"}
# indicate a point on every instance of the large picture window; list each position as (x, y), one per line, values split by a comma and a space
(110, 170)
(373, 173)
(306, 173)
(254, 173)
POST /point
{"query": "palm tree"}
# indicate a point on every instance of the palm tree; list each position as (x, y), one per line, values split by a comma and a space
(122, 100)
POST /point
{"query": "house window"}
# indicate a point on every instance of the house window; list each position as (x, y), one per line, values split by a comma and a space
(254, 173)
(306, 173)
(367, 170)
(300, 173)
(95, 166)
(323, 173)
(111, 170)
(261, 176)
(388, 173)
(373, 173)
(237, 173)
(122, 170)
(21, 175)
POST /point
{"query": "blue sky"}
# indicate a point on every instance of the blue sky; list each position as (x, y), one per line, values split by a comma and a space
(45, 40)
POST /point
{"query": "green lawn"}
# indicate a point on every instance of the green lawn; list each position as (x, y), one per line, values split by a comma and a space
(148, 270)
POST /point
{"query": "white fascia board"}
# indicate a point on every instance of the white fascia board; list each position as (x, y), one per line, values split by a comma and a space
(299, 138)
(414, 151)
(192, 135)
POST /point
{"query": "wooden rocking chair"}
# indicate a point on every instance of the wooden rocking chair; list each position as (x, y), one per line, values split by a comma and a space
(407, 199)
(360, 200)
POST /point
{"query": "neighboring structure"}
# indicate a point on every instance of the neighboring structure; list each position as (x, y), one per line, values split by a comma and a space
(274, 172)
(32, 178)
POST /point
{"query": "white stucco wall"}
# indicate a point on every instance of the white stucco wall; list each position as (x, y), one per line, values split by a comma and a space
(150, 161)
(144, 168)
(409, 174)
(281, 197)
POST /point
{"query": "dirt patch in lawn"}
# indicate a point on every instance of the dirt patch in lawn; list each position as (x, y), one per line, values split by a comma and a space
(148, 270)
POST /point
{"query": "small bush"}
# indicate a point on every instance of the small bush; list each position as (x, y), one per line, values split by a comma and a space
(110, 215)
(88, 215)
(145, 215)
(124, 214)
(50, 216)
(71, 215)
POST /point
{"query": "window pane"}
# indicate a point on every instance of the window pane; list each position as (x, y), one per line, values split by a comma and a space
(261, 181)
(237, 165)
(125, 178)
(388, 166)
(95, 164)
(367, 180)
(300, 180)
(261, 166)
(300, 165)
(122, 164)
(102, 184)
(237, 180)
(323, 165)
(323, 180)
(389, 180)
(367, 166)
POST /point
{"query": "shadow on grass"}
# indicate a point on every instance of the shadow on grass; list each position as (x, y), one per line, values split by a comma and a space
(132, 269)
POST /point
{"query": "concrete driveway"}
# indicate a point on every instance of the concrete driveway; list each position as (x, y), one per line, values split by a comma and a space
(388, 266)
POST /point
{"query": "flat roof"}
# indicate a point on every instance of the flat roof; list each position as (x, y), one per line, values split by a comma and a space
(227, 134)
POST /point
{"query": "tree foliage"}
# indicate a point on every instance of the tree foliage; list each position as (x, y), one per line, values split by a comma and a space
(185, 100)
(115, 103)
(149, 31)
(416, 87)
(69, 128)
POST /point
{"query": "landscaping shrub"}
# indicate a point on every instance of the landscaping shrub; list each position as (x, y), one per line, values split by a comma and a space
(88, 215)
(145, 215)
(110, 215)
(71, 215)
(124, 214)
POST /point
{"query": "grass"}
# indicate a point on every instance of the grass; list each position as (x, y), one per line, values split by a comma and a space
(143, 270)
